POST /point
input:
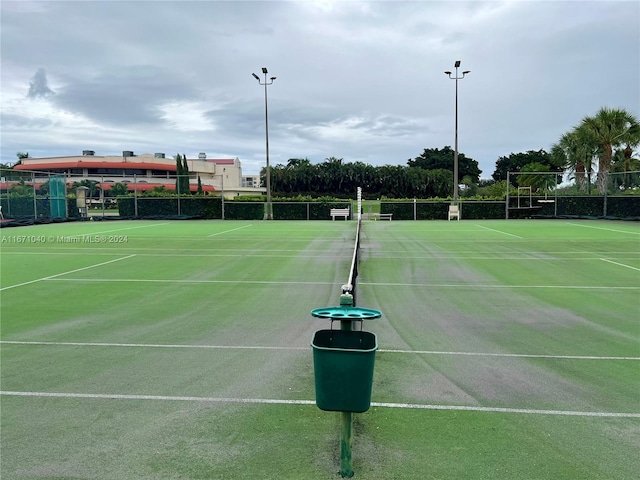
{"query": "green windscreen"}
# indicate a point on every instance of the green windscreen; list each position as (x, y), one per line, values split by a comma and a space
(57, 196)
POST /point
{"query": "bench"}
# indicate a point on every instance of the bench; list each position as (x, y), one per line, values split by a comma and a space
(339, 212)
(382, 216)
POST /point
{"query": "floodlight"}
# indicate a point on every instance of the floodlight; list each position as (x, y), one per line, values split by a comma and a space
(457, 63)
(448, 73)
(264, 70)
(256, 76)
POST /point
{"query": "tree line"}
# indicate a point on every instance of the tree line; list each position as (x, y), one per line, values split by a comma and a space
(608, 139)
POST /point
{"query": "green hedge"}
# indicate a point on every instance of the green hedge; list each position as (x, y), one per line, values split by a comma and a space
(622, 206)
(23, 207)
(439, 210)
(320, 210)
(243, 210)
(195, 207)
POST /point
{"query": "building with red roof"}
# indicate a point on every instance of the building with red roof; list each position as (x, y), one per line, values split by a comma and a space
(146, 172)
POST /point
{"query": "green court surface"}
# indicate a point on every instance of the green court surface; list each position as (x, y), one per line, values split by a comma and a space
(180, 349)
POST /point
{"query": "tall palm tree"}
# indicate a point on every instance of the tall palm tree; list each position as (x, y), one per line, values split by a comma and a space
(609, 128)
(568, 150)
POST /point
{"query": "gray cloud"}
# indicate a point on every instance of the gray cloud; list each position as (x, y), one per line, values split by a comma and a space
(131, 95)
(39, 86)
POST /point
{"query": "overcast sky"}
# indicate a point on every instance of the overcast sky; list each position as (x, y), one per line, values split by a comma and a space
(361, 81)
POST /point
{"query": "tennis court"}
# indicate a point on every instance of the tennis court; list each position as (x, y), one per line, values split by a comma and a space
(180, 349)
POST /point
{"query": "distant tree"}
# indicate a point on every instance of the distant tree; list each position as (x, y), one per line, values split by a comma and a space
(200, 190)
(118, 189)
(182, 175)
(626, 165)
(43, 189)
(157, 191)
(92, 185)
(610, 128)
(21, 189)
(534, 175)
(434, 159)
(178, 173)
(576, 153)
(22, 155)
(185, 186)
(516, 161)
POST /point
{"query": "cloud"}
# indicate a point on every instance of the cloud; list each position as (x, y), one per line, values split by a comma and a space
(127, 96)
(39, 86)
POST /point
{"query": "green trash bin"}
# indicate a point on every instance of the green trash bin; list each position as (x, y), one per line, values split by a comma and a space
(343, 363)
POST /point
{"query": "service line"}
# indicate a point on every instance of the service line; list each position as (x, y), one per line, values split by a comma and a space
(52, 277)
(601, 228)
(273, 401)
(306, 348)
(121, 229)
(232, 230)
(620, 264)
(498, 231)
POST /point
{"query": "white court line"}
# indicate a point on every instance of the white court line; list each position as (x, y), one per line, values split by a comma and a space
(52, 277)
(111, 252)
(620, 264)
(511, 355)
(121, 229)
(232, 230)
(273, 401)
(148, 280)
(602, 228)
(498, 231)
(480, 286)
(152, 345)
(256, 347)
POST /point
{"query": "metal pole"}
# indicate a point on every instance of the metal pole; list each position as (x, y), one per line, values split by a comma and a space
(455, 157)
(266, 129)
(35, 203)
(135, 195)
(555, 200)
(506, 215)
(223, 171)
(266, 123)
(346, 444)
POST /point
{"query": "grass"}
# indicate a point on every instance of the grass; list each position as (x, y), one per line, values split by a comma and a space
(150, 352)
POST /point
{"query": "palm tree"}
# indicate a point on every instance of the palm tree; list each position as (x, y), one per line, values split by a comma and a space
(626, 165)
(610, 128)
(575, 152)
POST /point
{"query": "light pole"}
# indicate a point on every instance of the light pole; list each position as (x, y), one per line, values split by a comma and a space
(455, 157)
(223, 172)
(266, 123)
